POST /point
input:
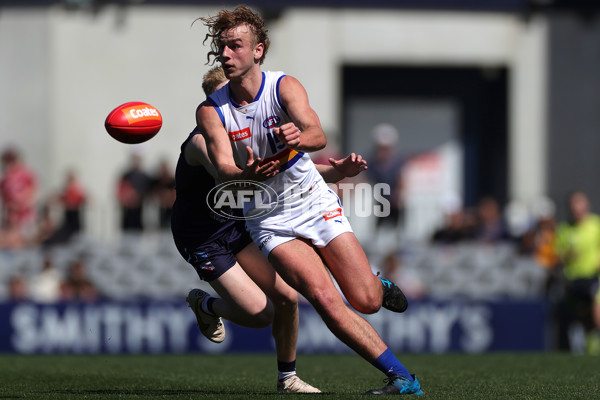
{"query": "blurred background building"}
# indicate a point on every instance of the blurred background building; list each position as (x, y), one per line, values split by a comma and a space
(492, 107)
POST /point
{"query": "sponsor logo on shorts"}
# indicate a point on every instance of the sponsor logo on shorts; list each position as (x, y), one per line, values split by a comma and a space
(229, 199)
(265, 241)
(240, 135)
(201, 258)
(332, 214)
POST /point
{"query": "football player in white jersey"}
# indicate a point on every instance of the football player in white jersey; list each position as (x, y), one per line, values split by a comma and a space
(304, 247)
(250, 293)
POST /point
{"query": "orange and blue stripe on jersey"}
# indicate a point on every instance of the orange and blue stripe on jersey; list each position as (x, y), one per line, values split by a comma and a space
(286, 158)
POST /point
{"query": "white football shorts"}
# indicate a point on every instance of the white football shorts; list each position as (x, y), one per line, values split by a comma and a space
(319, 218)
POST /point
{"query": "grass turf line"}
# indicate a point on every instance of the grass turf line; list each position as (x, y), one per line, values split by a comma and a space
(250, 376)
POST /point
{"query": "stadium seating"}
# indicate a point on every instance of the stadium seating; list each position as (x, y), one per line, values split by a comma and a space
(149, 267)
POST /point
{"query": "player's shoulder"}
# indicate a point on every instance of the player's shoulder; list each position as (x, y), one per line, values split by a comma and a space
(289, 87)
(219, 97)
(274, 74)
(204, 107)
(207, 115)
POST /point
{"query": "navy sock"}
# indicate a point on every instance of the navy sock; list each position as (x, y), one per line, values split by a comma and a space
(209, 305)
(389, 365)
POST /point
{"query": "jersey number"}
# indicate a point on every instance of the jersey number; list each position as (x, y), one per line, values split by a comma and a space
(274, 143)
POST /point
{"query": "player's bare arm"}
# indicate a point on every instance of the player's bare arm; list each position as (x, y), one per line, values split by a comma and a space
(305, 132)
(346, 167)
(220, 152)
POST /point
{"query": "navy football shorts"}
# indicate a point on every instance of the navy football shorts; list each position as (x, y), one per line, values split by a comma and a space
(212, 257)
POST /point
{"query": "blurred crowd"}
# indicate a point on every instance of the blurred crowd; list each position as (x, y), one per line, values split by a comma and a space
(49, 286)
(28, 221)
(568, 251)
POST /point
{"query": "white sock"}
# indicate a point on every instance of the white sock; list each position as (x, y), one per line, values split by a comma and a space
(284, 375)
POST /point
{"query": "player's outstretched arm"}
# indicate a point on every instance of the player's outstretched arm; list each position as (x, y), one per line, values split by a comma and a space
(220, 152)
(217, 143)
(346, 167)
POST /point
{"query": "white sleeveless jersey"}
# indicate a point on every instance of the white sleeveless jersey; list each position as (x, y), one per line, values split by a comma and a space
(252, 125)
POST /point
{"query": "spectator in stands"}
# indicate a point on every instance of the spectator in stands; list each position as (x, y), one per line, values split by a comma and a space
(18, 188)
(77, 286)
(17, 289)
(133, 188)
(385, 166)
(46, 286)
(578, 246)
(164, 191)
(490, 226)
(540, 240)
(458, 224)
(72, 199)
(46, 226)
(12, 237)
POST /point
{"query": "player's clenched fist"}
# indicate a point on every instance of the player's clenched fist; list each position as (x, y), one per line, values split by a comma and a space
(288, 134)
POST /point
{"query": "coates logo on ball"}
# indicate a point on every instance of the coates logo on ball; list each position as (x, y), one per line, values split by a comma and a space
(133, 122)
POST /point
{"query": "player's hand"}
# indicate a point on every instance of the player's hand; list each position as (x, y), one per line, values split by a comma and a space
(254, 171)
(288, 134)
(350, 166)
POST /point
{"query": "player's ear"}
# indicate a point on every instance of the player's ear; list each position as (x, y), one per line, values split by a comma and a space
(258, 51)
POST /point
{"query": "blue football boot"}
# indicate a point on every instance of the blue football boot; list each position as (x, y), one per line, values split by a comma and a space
(393, 298)
(399, 385)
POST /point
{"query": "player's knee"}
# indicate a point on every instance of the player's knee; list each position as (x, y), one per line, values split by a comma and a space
(367, 302)
(326, 302)
(286, 301)
(263, 318)
(255, 316)
(366, 307)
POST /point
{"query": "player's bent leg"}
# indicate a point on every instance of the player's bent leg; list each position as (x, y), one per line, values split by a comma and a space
(301, 267)
(258, 268)
(245, 303)
(285, 320)
(349, 265)
(283, 297)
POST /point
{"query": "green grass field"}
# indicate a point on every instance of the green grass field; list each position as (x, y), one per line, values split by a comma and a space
(489, 376)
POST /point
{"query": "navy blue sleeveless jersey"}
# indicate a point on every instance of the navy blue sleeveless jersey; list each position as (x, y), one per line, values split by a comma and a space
(206, 240)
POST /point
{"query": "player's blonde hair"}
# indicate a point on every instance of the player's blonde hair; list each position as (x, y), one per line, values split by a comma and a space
(226, 20)
(213, 78)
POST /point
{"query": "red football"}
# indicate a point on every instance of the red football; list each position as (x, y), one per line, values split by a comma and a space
(133, 122)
